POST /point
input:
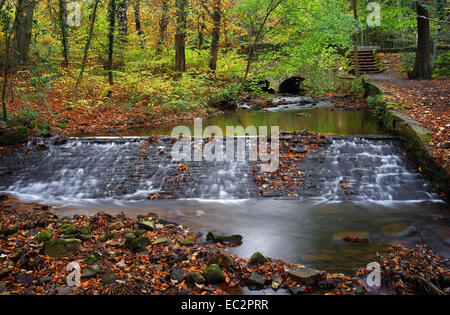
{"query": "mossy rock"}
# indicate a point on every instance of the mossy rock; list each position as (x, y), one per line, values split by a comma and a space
(44, 236)
(109, 278)
(257, 259)
(195, 278)
(84, 230)
(107, 237)
(129, 236)
(162, 241)
(184, 242)
(232, 239)
(140, 243)
(9, 231)
(91, 271)
(13, 136)
(147, 225)
(61, 247)
(92, 259)
(68, 229)
(213, 274)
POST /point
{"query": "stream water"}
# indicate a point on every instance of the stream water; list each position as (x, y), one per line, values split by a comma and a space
(390, 201)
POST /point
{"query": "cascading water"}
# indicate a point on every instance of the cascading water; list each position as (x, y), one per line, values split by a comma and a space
(131, 169)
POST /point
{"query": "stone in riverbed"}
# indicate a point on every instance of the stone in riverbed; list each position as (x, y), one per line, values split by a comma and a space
(117, 225)
(68, 229)
(162, 241)
(305, 275)
(140, 243)
(61, 247)
(178, 274)
(147, 225)
(195, 278)
(91, 271)
(213, 274)
(109, 278)
(9, 231)
(4, 272)
(232, 239)
(296, 290)
(256, 279)
(184, 241)
(257, 259)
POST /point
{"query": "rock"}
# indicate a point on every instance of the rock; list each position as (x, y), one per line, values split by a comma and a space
(117, 225)
(162, 241)
(147, 225)
(44, 236)
(68, 229)
(296, 290)
(257, 259)
(178, 274)
(107, 237)
(64, 291)
(2, 288)
(109, 278)
(45, 279)
(9, 231)
(4, 197)
(61, 247)
(91, 271)
(233, 239)
(4, 272)
(60, 140)
(84, 237)
(256, 279)
(305, 275)
(221, 260)
(354, 239)
(84, 230)
(195, 278)
(213, 274)
(129, 236)
(2, 124)
(140, 243)
(92, 259)
(185, 242)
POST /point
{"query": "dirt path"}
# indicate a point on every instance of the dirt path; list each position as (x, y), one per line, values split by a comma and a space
(425, 101)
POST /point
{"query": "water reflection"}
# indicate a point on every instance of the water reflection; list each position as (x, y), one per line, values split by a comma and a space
(304, 232)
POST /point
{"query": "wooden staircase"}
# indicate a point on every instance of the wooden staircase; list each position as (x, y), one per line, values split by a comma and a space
(367, 63)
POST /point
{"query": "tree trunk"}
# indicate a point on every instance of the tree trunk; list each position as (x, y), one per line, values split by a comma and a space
(64, 32)
(8, 34)
(122, 18)
(163, 24)
(200, 29)
(422, 65)
(23, 30)
(86, 51)
(356, 41)
(137, 18)
(111, 29)
(216, 16)
(180, 37)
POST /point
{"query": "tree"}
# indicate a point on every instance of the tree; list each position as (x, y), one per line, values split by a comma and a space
(163, 24)
(137, 18)
(122, 8)
(180, 36)
(5, 14)
(23, 29)
(355, 40)
(64, 31)
(86, 50)
(422, 64)
(216, 16)
(111, 30)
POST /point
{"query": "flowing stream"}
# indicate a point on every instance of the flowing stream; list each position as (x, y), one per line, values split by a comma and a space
(386, 199)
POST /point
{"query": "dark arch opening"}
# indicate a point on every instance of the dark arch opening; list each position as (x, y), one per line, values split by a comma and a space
(291, 85)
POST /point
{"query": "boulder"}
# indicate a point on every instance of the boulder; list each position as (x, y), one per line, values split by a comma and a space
(195, 278)
(117, 225)
(91, 271)
(232, 239)
(61, 247)
(305, 275)
(257, 259)
(109, 278)
(162, 241)
(147, 225)
(140, 243)
(178, 274)
(213, 274)
(256, 279)
(9, 231)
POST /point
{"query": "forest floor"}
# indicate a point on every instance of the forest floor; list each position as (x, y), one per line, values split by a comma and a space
(425, 101)
(149, 255)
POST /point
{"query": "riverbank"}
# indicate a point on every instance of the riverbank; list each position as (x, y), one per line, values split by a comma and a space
(148, 255)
